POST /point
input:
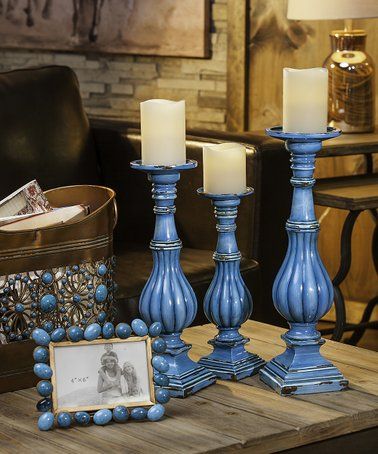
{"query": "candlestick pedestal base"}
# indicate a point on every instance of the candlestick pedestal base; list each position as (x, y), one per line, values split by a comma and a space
(186, 377)
(301, 369)
(228, 302)
(302, 291)
(229, 360)
(168, 297)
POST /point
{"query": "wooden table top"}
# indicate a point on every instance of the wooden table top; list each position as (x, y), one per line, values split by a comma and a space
(226, 417)
(356, 192)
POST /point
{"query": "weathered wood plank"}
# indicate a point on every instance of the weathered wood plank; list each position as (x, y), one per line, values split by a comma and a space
(357, 364)
(242, 416)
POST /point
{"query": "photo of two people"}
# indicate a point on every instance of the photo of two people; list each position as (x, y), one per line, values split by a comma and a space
(115, 381)
(102, 374)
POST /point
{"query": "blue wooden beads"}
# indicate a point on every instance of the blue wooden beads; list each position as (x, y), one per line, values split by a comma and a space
(42, 370)
(120, 414)
(46, 421)
(64, 419)
(41, 355)
(92, 332)
(41, 337)
(156, 412)
(102, 417)
(123, 330)
(44, 388)
(139, 327)
(82, 418)
(106, 330)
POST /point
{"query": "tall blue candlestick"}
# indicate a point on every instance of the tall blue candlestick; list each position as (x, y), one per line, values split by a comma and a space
(302, 290)
(228, 302)
(167, 296)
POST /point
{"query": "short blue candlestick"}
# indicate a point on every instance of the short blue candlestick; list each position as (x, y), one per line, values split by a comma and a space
(228, 302)
(302, 290)
(167, 296)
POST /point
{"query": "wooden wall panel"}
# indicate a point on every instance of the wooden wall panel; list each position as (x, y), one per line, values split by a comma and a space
(274, 43)
(237, 65)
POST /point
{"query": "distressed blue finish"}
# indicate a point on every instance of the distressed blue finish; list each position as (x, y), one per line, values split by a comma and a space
(228, 302)
(302, 291)
(167, 296)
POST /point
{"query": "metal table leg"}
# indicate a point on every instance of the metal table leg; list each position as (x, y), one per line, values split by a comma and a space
(345, 262)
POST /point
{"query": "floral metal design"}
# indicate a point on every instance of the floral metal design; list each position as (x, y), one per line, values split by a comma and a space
(55, 297)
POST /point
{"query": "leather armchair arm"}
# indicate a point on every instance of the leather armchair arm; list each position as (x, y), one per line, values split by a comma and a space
(261, 216)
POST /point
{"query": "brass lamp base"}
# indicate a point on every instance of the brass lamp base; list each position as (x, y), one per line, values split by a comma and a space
(351, 82)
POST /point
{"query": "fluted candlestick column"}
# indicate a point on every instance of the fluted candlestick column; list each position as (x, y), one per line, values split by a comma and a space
(302, 290)
(228, 302)
(167, 296)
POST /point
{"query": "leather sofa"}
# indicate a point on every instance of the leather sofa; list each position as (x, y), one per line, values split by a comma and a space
(45, 134)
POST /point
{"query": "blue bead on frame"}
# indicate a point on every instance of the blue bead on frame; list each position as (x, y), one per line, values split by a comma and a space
(97, 330)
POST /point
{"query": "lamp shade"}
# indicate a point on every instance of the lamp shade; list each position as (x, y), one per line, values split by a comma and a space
(334, 9)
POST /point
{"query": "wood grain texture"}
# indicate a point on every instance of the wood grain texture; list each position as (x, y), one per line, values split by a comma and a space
(348, 193)
(275, 43)
(237, 65)
(227, 417)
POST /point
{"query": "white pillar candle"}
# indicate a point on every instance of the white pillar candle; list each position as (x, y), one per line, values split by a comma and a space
(305, 100)
(163, 132)
(224, 168)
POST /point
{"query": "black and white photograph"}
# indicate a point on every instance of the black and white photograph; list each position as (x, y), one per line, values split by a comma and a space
(102, 374)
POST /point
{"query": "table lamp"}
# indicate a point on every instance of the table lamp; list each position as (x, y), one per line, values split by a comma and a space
(351, 105)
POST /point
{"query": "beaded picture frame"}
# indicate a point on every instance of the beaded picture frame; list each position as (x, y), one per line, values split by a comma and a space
(136, 392)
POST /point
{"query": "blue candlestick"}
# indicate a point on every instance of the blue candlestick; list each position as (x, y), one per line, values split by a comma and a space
(302, 290)
(228, 302)
(167, 296)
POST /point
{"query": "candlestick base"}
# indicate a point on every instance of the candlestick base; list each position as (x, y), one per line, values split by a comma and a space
(302, 291)
(168, 297)
(230, 360)
(301, 369)
(185, 376)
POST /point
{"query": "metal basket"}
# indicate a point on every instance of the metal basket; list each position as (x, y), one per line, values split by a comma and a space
(62, 275)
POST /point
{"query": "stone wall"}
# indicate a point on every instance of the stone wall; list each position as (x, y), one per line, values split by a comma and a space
(113, 86)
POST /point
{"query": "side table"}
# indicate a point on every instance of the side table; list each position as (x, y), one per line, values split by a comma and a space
(241, 417)
(356, 194)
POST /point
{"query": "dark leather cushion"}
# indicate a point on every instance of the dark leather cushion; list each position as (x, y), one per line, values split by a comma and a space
(134, 265)
(44, 131)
